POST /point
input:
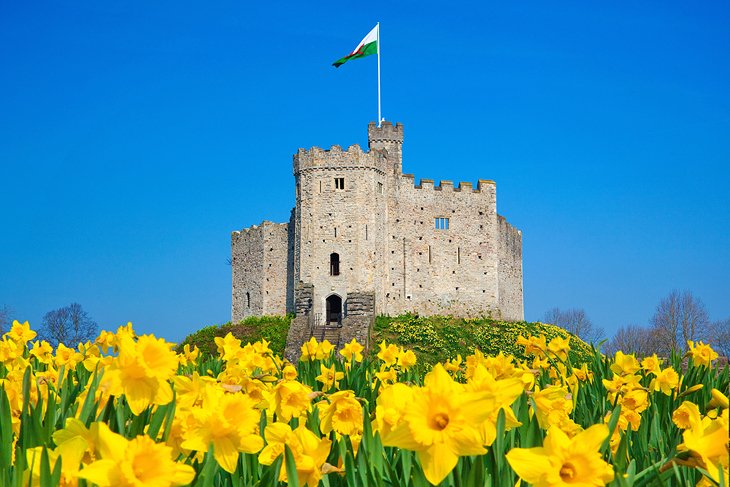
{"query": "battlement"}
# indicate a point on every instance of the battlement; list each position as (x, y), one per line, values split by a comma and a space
(483, 185)
(336, 158)
(387, 132)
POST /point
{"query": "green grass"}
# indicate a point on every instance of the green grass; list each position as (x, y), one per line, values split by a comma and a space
(433, 339)
(272, 328)
(438, 338)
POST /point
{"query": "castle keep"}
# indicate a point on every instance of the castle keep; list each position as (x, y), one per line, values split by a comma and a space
(363, 239)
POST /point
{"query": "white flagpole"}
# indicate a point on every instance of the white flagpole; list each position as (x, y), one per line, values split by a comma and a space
(379, 117)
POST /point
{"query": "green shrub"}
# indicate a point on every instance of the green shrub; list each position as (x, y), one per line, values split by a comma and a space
(438, 338)
(272, 328)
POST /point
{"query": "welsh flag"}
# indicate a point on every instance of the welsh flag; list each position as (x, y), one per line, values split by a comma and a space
(367, 46)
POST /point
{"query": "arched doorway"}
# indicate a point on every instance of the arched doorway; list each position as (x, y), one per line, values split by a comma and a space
(334, 310)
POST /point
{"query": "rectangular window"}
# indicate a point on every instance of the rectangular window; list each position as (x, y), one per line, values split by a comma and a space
(442, 223)
(339, 183)
(380, 188)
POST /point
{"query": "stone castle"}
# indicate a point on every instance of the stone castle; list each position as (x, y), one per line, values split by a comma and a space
(363, 239)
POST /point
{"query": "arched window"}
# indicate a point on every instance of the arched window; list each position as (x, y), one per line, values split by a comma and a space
(248, 300)
(334, 264)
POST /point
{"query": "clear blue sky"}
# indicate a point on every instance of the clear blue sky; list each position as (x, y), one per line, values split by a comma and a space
(135, 136)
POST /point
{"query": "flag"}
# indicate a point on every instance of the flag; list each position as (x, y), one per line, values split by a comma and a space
(367, 46)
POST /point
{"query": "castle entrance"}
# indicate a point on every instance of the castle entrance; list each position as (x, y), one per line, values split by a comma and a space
(334, 310)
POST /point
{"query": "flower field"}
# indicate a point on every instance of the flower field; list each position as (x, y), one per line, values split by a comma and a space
(127, 410)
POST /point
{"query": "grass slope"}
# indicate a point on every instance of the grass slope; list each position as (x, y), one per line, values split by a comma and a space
(433, 339)
(437, 338)
(272, 328)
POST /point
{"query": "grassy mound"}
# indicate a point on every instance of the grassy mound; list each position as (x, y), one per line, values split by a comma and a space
(433, 339)
(437, 338)
(253, 328)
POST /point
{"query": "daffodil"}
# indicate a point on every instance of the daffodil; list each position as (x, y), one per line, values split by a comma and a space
(20, 333)
(229, 423)
(708, 441)
(651, 364)
(134, 463)
(701, 353)
(329, 377)
(624, 364)
(666, 381)
(142, 371)
(563, 461)
(388, 353)
(309, 451)
(342, 413)
(70, 454)
(352, 351)
(441, 423)
(687, 415)
(559, 347)
(291, 399)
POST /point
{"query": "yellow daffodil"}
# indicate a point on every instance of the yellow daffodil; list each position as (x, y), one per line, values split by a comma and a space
(708, 441)
(666, 381)
(388, 353)
(291, 400)
(559, 347)
(563, 461)
(134, 463)
(701, 353)
(329, 377)
(352, 351)
(142, 371)
(534, 346)
(309, 451)
(651, 364)
(441, 423)
(624, 364)
(406, 359)
(20, 333)
(229, 423)
(342, 413)
(687, 415)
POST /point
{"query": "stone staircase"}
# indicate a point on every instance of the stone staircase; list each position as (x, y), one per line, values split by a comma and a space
(329, 333)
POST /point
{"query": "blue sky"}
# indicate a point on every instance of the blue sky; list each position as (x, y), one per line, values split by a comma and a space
(135, 136)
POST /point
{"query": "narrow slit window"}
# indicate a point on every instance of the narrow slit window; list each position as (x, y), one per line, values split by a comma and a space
(366, 232)
(380, 188)
(320, 186)
(441, 223)
(335, 232)
(429, 254)
(334, 264)
(458, 255)
(339, 183)
(248, 300)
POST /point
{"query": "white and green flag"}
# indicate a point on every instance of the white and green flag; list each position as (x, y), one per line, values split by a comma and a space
(367, 46)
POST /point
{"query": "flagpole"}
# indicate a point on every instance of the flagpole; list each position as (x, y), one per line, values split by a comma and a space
(379, 117)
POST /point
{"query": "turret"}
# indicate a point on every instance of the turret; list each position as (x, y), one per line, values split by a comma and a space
(390, 138)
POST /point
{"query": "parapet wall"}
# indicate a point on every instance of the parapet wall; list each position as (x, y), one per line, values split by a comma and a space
(338, 159)
(510, 271)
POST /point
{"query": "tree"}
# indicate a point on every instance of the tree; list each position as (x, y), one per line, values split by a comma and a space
(70, 325)
(632, 339)
(575, 321)
(6, 318)
(679, 317)
(719, 336)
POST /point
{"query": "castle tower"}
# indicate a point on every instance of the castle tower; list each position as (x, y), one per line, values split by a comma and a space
(339, 226)
(390, 138)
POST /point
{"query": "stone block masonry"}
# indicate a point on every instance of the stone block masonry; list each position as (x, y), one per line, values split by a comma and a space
(365, 239)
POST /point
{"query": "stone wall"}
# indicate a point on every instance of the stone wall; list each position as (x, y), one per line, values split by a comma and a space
(260, 261)
(510, 272)
(442, 270)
